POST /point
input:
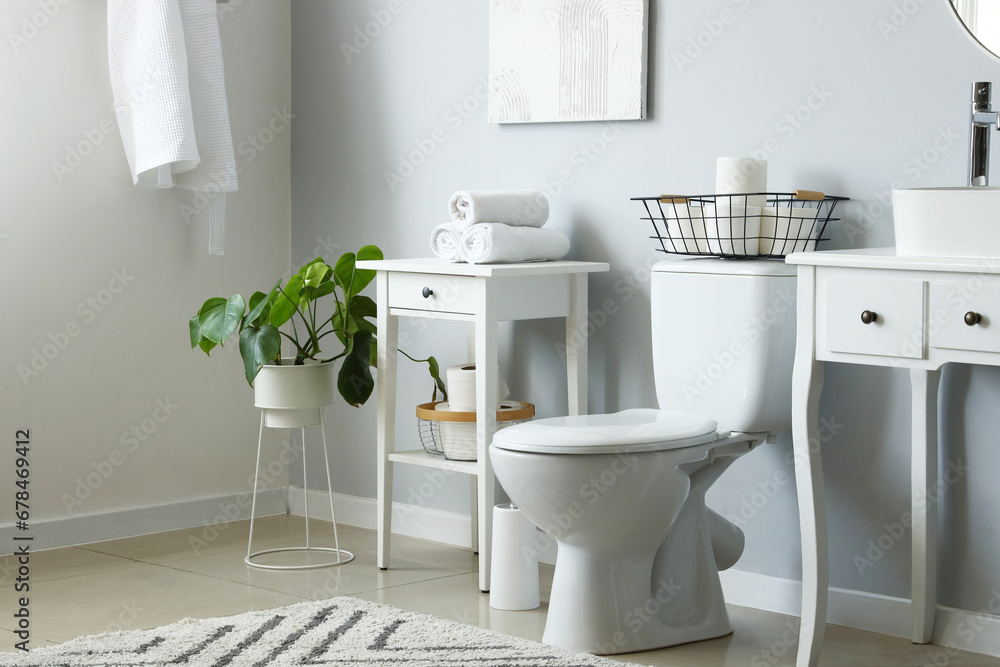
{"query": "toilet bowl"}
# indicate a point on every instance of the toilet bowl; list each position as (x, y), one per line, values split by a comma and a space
(623, 494)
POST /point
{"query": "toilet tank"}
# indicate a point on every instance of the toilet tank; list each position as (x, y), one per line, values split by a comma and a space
(724, 339)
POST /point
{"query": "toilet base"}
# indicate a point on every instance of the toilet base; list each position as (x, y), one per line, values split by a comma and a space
(608, 602)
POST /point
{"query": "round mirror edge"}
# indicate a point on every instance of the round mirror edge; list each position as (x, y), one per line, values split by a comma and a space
(968, 33)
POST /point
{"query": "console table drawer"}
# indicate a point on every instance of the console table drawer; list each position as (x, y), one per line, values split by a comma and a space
(452, 294)
(895, 308)
(954, 308)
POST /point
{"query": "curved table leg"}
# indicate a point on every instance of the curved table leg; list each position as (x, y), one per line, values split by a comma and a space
(807, 385)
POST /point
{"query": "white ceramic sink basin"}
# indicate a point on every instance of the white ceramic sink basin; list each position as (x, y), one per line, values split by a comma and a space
(947, 222)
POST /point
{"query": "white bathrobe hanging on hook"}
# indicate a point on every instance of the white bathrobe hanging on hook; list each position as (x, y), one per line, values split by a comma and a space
(169, 89)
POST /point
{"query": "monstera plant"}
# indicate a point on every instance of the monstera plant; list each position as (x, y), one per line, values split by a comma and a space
(291, 311)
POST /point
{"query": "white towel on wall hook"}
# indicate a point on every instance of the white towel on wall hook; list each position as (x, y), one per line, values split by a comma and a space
(169, 87)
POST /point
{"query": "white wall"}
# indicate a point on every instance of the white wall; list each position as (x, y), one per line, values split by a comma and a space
(65, 236)
(881, 98)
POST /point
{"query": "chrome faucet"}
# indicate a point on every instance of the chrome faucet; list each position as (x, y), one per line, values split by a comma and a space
(979, 133)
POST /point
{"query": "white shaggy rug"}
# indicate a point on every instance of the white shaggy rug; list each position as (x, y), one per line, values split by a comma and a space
(340, 631)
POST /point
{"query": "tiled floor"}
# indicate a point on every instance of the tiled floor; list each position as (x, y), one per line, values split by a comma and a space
(145, 582)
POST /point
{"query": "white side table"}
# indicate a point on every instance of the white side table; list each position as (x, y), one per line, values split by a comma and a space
(872, 307)
(481, 295)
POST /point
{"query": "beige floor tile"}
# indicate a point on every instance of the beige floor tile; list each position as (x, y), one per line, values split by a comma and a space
(412, 561)
(206, 540)
(458, 598)
(59, 563)
(140, 597)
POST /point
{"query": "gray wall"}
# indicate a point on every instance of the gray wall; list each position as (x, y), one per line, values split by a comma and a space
(63, 235)
(887, 97)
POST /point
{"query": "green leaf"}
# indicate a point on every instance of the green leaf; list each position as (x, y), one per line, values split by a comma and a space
(195, 331)
(435, 370)
(197, 340)
(286, 302)
(362, 277)
(259, 303)
(258, 345)
(315, 273)
(363, 306)
(355, 381)
(343, 273)
(219, 318)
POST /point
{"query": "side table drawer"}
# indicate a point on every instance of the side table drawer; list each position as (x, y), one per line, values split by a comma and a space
(452, 294)
(898, 324)
(952, 303)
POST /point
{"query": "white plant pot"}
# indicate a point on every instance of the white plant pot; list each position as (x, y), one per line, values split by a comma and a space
(293, 396)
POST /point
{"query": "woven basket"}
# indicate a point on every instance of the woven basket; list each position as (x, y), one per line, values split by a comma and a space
(452, 434)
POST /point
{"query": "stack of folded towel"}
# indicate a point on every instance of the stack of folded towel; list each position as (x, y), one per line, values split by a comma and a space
(504, 226)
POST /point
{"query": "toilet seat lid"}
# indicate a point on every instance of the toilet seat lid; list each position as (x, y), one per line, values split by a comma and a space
(639, 430)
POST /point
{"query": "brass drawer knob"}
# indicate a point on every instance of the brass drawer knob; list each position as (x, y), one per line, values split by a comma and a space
(869, 316)
(973, 318)
(427, 292)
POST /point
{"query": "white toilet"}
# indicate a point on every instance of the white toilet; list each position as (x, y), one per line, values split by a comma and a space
(623, 494)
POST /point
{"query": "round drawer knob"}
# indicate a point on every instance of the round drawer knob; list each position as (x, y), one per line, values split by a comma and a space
(427, 292)
(869, 316)
(973, 318)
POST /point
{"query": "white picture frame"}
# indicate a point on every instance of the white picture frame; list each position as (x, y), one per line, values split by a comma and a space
(567, 60)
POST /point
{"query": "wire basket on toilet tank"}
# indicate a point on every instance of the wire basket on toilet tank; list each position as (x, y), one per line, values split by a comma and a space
(753, 225)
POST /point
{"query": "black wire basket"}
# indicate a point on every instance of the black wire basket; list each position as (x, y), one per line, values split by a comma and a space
(755, 225)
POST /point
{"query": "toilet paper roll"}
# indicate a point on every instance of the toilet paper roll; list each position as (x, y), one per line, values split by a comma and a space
(734, 230)
(456, 440)
(461, 381)
(740, 175)
(514, 574)
(785, 230)
(685, 229)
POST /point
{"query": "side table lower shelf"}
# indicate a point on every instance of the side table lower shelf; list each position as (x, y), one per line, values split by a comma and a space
(420, 457)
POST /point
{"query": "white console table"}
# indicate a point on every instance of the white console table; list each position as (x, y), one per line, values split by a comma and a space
(481, 295)
(872, 307)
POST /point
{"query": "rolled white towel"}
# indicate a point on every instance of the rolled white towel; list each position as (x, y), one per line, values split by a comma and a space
(521, 208)
(446, 241)
(492, 242)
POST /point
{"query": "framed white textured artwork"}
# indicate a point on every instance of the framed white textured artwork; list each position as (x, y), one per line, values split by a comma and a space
(567, 60)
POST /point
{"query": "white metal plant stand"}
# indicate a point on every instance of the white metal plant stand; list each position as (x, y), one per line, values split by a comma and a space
(303, 418)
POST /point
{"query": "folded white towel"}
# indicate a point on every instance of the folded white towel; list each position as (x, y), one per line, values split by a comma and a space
(521, 208)
(492, 243)
(446, 241)
(170, 98)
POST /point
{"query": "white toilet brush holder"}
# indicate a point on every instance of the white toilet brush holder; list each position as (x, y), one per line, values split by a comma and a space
(514, 574)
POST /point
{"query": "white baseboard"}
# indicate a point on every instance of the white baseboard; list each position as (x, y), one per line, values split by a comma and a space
(407, 520)
(953, 628)
(86, 528)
